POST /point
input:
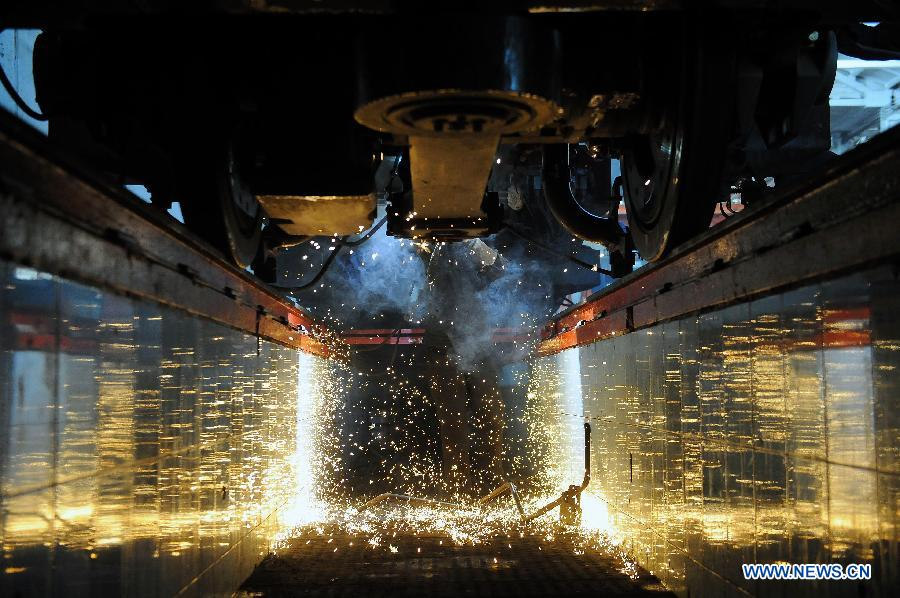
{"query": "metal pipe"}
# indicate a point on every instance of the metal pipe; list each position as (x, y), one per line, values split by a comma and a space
(587, 455)
(565, 208)
(515, 494)
(498, 491)
(501, 490)
(546, 508)
(573, 490)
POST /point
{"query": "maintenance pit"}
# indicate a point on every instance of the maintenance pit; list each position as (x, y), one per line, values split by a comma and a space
(478, 338)
(150, 451)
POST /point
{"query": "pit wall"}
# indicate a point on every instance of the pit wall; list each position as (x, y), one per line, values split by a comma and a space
(143, 452)
(764, 432)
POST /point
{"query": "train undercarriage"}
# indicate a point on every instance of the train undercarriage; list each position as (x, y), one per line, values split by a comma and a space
(271, 130)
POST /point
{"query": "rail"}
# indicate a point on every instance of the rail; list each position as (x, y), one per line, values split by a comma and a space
(838, 222)
(63, 219)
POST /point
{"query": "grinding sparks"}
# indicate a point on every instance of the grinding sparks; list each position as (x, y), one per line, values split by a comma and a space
(330, 441)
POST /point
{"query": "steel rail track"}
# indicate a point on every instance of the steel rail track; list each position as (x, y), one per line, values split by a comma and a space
(59, 218)
(847, 219)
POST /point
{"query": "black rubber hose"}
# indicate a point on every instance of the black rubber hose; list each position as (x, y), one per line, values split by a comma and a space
(565, 208)
(300, 287)
(367, 236)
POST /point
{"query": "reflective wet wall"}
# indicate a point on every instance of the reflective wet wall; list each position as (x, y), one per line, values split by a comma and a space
(143, 452)
(764, 432)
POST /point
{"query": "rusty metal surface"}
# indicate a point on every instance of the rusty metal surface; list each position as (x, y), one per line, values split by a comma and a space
(416, 336)
(384, 336)
(58, 220)
(449, 176)
(321, 214)
(848, 220)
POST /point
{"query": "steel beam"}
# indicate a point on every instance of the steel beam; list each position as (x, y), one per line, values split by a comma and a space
(846, 220)
(63, 221)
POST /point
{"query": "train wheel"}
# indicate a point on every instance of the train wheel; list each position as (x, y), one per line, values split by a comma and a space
(672, 177)
(218, 206)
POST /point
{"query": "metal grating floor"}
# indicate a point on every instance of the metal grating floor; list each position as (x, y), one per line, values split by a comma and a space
(317, 563)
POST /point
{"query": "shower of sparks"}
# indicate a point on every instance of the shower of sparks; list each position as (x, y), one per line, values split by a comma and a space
(333, 411)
